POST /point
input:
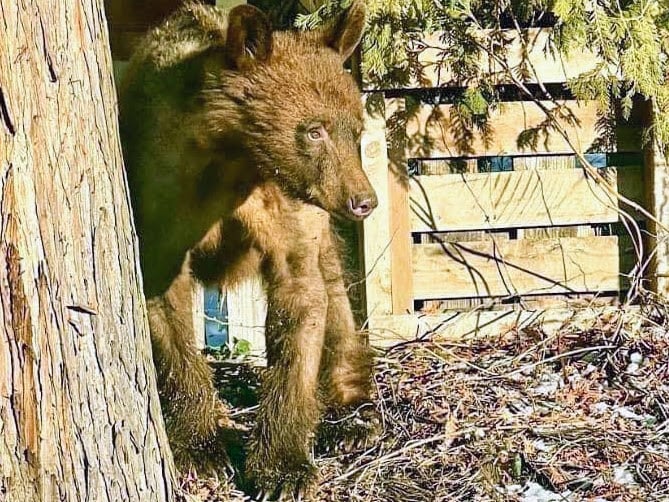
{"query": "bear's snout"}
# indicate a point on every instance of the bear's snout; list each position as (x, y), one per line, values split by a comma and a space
(360, 206)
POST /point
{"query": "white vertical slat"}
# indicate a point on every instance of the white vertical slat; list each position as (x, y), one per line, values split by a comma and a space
(247, 309)
(198, 314)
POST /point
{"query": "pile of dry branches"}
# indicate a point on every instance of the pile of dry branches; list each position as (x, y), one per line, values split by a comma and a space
(581, 413)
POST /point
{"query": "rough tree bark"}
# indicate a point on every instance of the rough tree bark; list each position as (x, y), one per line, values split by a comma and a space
(79, 412)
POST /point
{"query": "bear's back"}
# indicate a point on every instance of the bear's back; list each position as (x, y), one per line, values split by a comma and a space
(188, 32)
(160, 101)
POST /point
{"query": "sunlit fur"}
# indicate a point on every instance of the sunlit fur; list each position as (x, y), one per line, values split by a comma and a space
(223, 176)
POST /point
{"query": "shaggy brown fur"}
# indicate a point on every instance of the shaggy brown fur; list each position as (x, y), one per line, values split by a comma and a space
(239, 144)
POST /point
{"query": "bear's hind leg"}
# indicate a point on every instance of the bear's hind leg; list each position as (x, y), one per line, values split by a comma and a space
(188, 398)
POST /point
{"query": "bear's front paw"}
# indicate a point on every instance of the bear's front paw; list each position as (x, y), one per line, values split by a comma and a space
(287, 480)
(349, 429)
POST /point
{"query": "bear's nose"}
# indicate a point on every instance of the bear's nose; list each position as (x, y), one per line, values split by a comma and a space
(362, 205)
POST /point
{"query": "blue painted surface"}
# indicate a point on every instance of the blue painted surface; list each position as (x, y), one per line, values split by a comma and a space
(215, 307)
(495, 164)
(598, 160)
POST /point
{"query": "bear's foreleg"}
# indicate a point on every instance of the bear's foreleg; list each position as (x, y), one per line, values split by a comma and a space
(290, 409)
(347, 359)
(346, 368)
(280, 456)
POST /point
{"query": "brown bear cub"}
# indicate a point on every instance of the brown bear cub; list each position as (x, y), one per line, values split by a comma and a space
(239, 143)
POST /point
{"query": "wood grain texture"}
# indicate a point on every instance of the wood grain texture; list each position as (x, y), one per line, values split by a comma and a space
(516, 267)
(475, 201)
(79, 412)
(434, 130)
(385, 331)
(197, 302)
(533, 302)
(247, 311)
(657, 186)
(398, 206)
(376, 227)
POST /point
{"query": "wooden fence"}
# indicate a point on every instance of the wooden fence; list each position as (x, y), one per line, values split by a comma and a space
(474, 233)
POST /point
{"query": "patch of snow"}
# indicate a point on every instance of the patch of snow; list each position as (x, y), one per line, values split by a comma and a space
(548, 386)
(623, 477)
(599, 408)
(628, 413)
(590, 368)
(632, 369)
(534, 492)
(658, 448)
(541, 445)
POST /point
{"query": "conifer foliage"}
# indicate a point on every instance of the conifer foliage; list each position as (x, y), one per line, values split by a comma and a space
(631, 37)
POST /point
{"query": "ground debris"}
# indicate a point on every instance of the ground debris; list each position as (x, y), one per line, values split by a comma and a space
(200, 489)
(580, 413)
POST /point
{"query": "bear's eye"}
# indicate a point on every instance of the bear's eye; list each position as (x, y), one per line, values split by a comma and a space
(317, 133)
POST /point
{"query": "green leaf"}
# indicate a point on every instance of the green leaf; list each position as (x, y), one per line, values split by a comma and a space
(241, 348)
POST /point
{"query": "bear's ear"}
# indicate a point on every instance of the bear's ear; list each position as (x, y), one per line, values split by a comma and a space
(343, 34)
(249, 37)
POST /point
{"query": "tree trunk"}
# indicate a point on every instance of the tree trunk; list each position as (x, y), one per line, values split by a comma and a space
(79, 412)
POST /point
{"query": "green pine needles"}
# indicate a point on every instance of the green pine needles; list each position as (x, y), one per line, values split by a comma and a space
(630, 38)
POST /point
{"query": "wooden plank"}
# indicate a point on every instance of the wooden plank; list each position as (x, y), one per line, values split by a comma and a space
(544, 162)
(434, 130)
(517, 267)
(376, 228)
(473, 201)
(386, 331)
(531, 302)
(398, 202)
(247, 311)
(632, 181)
(197, 311)
(550, 68)
(433, 167)
(657, 190)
